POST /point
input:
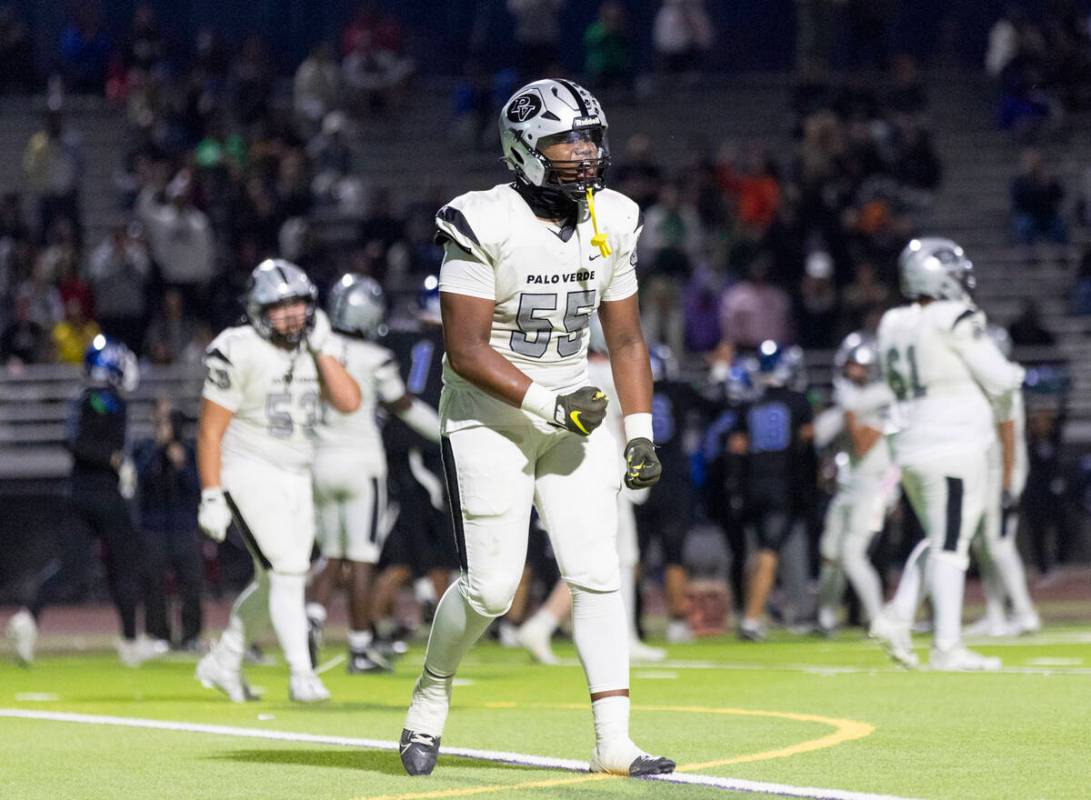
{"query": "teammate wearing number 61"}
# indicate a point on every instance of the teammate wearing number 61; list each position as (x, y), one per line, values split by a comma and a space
(255, 447)
(525, 266)
(947, 377)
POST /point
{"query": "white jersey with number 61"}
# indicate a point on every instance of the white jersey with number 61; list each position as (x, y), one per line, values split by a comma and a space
(947, 376)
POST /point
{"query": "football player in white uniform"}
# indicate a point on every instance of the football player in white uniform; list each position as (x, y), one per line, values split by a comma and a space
(525, 266)
(1003, 576)
(255, 448)
(866, 482)
(947, 377)
(350, 465)
(536, 633)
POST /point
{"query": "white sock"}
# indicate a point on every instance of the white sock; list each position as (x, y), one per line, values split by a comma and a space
(544, 620)
(286, 603)
(865, 582)
(611, 718)
(316, 612)
(431, 702)
(602, 638)
(947, 579)
(359, 641)
(249, 620)
(628, 598)
(455, 628)
(831, 586)
(907, 599)
(1012, 576)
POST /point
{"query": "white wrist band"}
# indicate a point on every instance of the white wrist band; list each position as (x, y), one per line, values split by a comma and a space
(638, 426)
(539, 400)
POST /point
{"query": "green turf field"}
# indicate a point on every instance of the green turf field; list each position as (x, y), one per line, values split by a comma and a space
(801, 712)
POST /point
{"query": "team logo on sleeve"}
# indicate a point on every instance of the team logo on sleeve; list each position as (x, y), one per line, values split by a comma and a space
(524, 107)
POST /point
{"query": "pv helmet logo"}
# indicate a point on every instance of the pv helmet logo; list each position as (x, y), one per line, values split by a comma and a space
(524, 107)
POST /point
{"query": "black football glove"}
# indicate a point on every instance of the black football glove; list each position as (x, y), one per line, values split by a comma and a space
(1008, 502)
(642, 467)
(582, 410)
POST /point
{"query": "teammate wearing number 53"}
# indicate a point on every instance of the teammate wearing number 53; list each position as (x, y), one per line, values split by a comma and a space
(525, 266)
(255, 448)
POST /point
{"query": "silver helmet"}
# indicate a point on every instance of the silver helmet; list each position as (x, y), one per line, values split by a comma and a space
(546, 112)
(272, 283)
(356, 305)
(936, 268)
(1001, 338)
(859, 348)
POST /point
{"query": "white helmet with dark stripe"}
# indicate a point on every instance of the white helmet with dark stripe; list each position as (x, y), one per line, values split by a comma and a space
(356, 305)
(859, 348)
(546, 112)
(936, 268)
(275, 282)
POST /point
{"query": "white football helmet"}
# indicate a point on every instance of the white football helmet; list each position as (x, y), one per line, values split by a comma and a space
(936, 268)
(546, 112)
(859, 348)
(272, 283)
(356, 305)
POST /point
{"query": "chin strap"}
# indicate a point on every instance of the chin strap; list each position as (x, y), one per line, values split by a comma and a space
(599, 239)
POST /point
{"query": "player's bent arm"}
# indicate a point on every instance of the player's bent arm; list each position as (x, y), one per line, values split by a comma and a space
(211, 426)
(418, 415)
(467, 327)
(863, 436)
(339, 388)
(629, 361)
(995, 374)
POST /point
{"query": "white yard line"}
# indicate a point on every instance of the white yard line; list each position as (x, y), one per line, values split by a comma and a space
(522, 759)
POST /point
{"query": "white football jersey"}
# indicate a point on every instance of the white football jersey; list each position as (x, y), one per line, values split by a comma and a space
(871, 404)
(376, 372)
(545, 281)
(944, 372)
(273, 393)
(1017, 414)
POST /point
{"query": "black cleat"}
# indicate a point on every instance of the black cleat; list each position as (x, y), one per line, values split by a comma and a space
(419, 752)
(365, 661)
(650, 765)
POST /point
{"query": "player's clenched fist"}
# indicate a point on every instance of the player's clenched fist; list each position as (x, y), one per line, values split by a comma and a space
(581, 411)
(642, 467)
(213, 515)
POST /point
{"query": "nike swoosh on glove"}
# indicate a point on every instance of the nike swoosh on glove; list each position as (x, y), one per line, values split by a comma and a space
(581, 411)
(213, 514)
(642, 467)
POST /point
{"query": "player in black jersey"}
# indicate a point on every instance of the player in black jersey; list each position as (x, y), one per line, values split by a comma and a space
(678, 413)
(775, 433)
(96, 440)
(729, 389)
(422, 541)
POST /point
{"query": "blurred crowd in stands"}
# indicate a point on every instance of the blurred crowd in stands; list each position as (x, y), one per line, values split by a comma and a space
(229, 157)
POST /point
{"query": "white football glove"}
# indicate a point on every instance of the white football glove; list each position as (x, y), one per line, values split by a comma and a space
(213, 515)
(319, 336)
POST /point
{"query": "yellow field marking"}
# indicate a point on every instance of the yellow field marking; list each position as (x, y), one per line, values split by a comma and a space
(844, 730)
